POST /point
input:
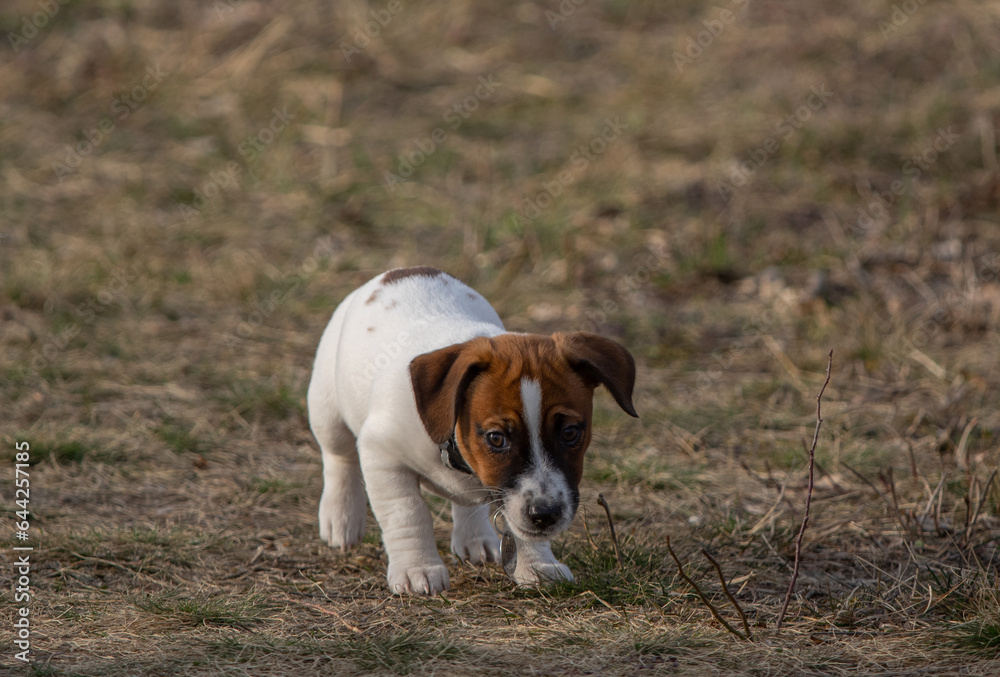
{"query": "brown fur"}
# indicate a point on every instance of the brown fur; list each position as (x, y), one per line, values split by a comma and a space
(475, 386)
(397, 274)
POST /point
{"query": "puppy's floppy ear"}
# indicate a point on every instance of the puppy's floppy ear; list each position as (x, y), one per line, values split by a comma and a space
(439, 381)
(600, 360)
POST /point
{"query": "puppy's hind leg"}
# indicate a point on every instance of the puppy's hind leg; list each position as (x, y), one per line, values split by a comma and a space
(343, 508)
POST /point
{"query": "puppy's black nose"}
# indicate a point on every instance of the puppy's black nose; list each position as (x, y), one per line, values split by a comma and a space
(544, 515)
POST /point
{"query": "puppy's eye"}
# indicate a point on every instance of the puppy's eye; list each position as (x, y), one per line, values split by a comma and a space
(571, 435)
(496, 439)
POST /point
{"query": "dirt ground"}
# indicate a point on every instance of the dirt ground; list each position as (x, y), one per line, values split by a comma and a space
(188, 189)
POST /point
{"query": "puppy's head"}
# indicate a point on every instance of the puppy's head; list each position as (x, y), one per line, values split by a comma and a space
(520, 408)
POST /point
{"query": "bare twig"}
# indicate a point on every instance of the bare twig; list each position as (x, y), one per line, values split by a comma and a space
(333, 612)
(701, 595)
(983, 496)
(937, 512)
(729, 595)
(889, 482)
(914, 473)
(968, 515)
(878, 492)
(611, 523)
(962, 451)
(894, 511)
(116, 565)
(809, 493)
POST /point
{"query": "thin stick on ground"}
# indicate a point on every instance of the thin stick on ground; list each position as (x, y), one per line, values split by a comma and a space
(729, 595)
(611, 523)
(333, 612)
(983, 496)
(809, 493)
(701, 595)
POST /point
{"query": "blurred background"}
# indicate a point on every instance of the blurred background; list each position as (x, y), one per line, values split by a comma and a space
(638, 166)
(187, 190)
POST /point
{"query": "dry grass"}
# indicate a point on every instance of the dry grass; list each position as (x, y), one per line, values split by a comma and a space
(160, 303)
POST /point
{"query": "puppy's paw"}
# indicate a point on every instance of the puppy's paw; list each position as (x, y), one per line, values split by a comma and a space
(477, 550)
(418, 580)
(532, 573)
(473, 538)
(342, 522)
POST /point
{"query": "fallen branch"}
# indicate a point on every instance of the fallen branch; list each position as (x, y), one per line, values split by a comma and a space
(729, 595)
(701, 595)
(809, 493)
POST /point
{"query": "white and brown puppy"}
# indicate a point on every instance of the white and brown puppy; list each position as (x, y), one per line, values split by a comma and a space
(417, 385)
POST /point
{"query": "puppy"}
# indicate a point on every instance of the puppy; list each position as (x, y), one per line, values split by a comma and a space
(417, 385)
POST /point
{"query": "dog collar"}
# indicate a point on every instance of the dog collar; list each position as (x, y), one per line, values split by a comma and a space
(452, 457)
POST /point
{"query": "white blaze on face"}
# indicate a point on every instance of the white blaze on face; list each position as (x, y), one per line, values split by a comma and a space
(531, 401)
(542, 482)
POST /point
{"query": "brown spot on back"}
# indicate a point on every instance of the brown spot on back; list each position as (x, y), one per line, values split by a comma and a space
(373, 297)
(371, 328)
(397, 274)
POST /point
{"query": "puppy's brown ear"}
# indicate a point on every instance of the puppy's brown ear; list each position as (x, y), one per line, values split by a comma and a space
(600, 360)
(439, 381)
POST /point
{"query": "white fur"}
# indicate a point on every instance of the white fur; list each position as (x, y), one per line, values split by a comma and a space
(362, 412)
(531, 404)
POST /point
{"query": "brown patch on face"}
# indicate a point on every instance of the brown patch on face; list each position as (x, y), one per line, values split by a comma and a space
(397, 274)
(492, 402)
(474, 388)
(373, 297)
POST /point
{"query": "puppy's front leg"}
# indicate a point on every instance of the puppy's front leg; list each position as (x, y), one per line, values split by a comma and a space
(537, 564)
(407, 531)
(473, 537)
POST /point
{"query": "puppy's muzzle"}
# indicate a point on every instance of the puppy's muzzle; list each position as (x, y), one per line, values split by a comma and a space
(538, 518)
